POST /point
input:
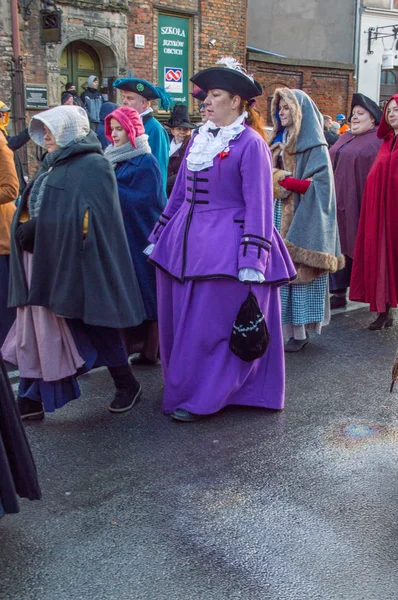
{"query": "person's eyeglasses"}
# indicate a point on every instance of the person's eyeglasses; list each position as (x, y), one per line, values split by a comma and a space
(202, 106)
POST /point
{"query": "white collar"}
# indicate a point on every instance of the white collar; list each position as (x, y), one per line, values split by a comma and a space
(174, 146)
(206, 146)
(146, 112)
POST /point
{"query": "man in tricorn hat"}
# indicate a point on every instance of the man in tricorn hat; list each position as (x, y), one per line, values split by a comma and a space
(138, 94)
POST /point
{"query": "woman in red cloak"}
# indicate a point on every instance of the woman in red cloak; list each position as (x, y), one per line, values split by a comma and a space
(375, 270)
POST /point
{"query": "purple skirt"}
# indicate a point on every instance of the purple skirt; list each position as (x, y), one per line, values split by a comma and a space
(200, 372)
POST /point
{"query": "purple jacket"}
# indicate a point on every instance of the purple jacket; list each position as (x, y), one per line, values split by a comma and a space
(220, 219)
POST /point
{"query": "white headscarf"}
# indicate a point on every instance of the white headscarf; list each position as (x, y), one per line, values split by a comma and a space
(66, 123)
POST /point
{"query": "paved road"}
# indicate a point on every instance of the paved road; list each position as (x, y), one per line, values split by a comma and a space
(252, 505)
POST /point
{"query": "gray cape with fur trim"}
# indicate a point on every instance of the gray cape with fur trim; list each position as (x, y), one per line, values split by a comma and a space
(309, 222)
(91, 278)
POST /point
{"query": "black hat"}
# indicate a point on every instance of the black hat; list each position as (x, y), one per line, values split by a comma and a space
(198, 94)
(367, 104)
(229, 76)
(179, 117)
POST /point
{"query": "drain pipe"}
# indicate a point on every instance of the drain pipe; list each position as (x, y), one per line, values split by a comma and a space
(357, 40)
(16, 39)
(18, 87)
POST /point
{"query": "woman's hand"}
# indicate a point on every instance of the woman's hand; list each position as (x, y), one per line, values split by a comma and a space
(25, 235)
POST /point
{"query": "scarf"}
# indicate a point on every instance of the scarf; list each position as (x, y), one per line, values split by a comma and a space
(120, 154)
(39, 184)
(207, 145)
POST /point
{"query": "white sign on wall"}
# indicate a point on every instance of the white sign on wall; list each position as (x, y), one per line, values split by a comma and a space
(139, 40)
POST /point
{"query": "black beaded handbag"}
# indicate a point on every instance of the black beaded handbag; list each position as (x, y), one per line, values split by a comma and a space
(250, 337)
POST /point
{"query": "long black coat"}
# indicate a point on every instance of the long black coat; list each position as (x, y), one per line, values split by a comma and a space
(175, 161)
(90, 277)
(18, 473)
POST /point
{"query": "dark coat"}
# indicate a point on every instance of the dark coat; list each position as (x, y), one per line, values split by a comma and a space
(15, 142)
(18, 473)
(175, 161)
(330, 137)
(106, 109)
(92, 100)
(90, 277)
(142, 199)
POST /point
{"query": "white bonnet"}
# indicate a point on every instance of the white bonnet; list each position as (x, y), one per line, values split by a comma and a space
(66, 123)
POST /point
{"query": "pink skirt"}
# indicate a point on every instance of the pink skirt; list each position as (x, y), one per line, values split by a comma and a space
(40, 343)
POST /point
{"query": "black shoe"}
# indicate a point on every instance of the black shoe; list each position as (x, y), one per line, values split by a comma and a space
(30, 410)
(383, 320)
(338, 302)
(296, 345)
(183, 415)
(141, 360)
(125, 399)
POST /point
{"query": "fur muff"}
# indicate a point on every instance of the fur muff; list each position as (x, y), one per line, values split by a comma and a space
(280, 192)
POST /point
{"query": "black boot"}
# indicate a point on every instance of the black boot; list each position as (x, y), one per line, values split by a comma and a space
(337, 301)
(128, 389)
(30, 410)
(383, 320)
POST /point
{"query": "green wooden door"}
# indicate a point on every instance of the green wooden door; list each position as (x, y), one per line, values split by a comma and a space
(78, 62)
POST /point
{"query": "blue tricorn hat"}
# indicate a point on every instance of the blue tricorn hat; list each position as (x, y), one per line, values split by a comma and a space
(145, 89)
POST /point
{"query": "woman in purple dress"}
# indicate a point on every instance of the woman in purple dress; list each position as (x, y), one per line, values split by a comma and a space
(215, 235)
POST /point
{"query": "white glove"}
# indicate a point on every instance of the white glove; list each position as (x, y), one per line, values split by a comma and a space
(254, 275)
(148, 249)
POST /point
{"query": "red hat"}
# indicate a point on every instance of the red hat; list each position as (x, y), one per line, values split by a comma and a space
(129, 119)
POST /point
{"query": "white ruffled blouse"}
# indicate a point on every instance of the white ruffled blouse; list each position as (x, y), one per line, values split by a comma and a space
(206, 146)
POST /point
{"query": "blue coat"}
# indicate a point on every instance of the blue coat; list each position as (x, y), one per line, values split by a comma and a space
(142, 199)
(159, 142)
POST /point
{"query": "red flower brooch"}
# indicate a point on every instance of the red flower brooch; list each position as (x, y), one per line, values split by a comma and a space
(224, 153)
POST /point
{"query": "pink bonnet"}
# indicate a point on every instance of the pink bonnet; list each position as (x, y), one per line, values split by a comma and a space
(129, 119)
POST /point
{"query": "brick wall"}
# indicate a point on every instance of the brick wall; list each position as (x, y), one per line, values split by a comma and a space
(217, 20)
(330, 85)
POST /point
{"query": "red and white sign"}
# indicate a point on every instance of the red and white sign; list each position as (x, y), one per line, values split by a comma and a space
(173, 80)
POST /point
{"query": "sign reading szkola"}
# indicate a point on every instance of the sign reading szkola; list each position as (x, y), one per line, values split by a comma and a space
(36, 96)
(173, 56)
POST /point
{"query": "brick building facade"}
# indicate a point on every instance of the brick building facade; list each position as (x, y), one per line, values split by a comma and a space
(100, 36)
(330, 85)
(108, 27)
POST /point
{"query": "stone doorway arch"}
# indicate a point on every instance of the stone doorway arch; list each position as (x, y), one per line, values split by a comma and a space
(108, 43)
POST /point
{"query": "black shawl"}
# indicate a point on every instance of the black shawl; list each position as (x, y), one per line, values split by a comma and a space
(90, 277)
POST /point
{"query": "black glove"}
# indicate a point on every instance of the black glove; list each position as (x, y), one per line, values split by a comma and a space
(25, 235)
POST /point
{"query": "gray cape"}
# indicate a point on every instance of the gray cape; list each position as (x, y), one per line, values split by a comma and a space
(309, 221)
(90, 277)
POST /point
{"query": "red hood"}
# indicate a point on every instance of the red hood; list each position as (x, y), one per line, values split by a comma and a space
(385, 130)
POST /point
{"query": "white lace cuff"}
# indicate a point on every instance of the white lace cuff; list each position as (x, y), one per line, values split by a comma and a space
(148, 249)
(254, 275)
